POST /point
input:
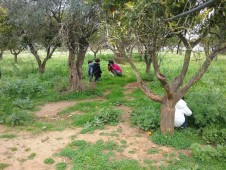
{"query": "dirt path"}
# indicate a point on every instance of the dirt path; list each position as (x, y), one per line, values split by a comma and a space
(17, 151)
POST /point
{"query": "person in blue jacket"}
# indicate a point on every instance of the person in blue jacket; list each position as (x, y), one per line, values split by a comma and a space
(97, 70)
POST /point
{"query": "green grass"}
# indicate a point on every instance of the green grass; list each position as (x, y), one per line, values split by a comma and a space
(61, 166)
(3, 165)
(186, 162)
(31, 156)
(97, 156)
(152, 151)
(83, 107)
(182, 139)
(49, 161)
(22, 89)
(8, 136)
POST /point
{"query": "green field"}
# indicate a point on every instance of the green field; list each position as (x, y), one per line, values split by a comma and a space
(23, 91)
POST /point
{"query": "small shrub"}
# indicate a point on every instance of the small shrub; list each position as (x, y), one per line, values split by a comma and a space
(109, 115)
(146, 117)
(49, 161)
(208, 152)
(23, 88)
(207, 106)
(214, 134)
(3, 165)
(18, 118)
(24, 103)
(68, 152)
(105, 116)
(80, 143)
(209, 113)
(61, 166)
(31, 156)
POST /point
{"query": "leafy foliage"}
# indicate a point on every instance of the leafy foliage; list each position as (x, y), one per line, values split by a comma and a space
(211, 111)
(104, 116)
(97, 156)
(214, 134)
(208, 152)
(49, 161)
(147, 117)
(22, 88)
(61, 166)
(16, 117)
(182, 139)
(210, 115)
(24, 103)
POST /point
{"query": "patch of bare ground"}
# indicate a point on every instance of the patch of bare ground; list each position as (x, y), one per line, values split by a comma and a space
(133, 142)
(51, 110)
(129, 88)
(16, 151)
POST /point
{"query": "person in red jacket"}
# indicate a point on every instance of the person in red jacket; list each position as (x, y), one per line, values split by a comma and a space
(114, 68)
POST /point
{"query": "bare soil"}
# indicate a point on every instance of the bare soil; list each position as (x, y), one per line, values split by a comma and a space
(16, 151)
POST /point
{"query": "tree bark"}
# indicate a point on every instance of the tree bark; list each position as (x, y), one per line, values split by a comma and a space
(148, 61)
(41, 68)
(1, 54)
(167, 116)
(119, 51)
(75, 65)
(74, 79)
(15, 58)
(207, 48)
(95, 55)
(15, 53)
(41, 65)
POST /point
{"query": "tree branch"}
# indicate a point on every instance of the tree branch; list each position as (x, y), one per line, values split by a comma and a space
(191, 11)
(178, 81)
(150, 94)
(160, 76)
(202, 70)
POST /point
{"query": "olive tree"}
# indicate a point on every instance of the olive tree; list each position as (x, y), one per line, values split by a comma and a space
(78, 21)
(148, 20)
(35, 26)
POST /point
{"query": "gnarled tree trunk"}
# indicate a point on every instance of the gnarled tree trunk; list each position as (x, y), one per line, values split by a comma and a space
(41, 65)
(148, 61)
(75, 64)
(74, 78)
(167, 116)
(15, 54)
(1, 54)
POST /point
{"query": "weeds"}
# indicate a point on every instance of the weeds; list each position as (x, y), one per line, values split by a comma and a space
(97, 156)
(49, 161)
(3, 165)
(182, 139)
(8, 136)
(31, 156)
(61, 166)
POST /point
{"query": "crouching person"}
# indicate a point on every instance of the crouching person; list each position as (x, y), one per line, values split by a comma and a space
(114, 68)
(181, 113)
